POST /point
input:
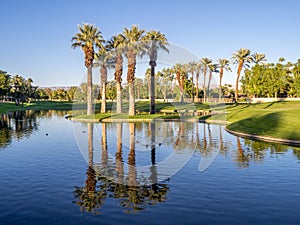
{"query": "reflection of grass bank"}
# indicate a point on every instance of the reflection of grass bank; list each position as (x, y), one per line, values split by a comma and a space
(278, 120)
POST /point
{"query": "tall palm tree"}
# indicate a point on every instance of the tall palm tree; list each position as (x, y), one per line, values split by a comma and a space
(103, 59)
(133, 48)
(205, 63)
(192, 67)
(167, 78)
(88, 37)
(180, 73)
(154, 40)
(242, 58)
(116, 44)
(198, 70)
(213, 68)
(222, 64)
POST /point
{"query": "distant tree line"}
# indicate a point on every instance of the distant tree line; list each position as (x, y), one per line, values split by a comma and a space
(272, 80)
(16, 88)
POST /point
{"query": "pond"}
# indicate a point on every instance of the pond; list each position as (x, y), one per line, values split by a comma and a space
(56, 171)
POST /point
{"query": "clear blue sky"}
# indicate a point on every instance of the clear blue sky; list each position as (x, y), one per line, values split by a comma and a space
(35, 35)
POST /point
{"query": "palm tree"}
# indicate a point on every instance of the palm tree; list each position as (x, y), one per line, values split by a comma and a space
(104, 60)
(223, 64)
(205, 63)
(154, 40)
(180, 73)
(133, 48)
(259, 58)
(192, 66)
(242, 58)
(198, 70)
(167, 78)
(88, 37)
(116, 44)
(213, 68)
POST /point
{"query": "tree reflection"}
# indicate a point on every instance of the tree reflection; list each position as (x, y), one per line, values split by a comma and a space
(117, 177)
(17, 125)
(132, 196)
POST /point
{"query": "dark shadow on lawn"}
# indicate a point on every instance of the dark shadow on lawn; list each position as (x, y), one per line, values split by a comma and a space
(265, 125)
(257, 125)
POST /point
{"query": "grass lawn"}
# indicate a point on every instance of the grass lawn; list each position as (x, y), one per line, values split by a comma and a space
(277, 119)
(9, 106)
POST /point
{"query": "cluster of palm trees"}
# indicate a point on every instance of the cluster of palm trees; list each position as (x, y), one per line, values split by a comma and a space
(131, 43)
(206, 66)
(135, 42)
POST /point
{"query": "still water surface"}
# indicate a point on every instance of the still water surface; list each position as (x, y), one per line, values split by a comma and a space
(55, 171)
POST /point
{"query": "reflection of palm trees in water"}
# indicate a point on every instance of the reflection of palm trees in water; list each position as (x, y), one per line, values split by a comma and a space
(132, 197)
(152, 130)
(88, 198)
(242, 159)
(119, 158)
(131, 156)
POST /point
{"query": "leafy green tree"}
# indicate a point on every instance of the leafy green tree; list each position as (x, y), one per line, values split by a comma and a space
(71, 93)
(111, 90)
(296, 74)
(4, 83)
(87, 39)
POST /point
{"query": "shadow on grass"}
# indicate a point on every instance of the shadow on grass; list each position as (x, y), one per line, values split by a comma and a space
(257, 125)
(270, 125)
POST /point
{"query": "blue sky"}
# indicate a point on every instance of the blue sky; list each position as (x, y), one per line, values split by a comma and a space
(35, 35)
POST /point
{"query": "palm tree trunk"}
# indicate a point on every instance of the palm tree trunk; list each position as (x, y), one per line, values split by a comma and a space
(237, 80)
(130, 79)
(204, 87)
(119, 97)
(103, 72)
(89, 91)
(197, 87)
(103, 100)
(208, 85)
(220, 88)
(119, 158)
(104, 145)
(131, 156)
(193, 96)
(90, 130)
(131, 111)
(152, 88)
(152, 130)
(90, 181)
(118, 78)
